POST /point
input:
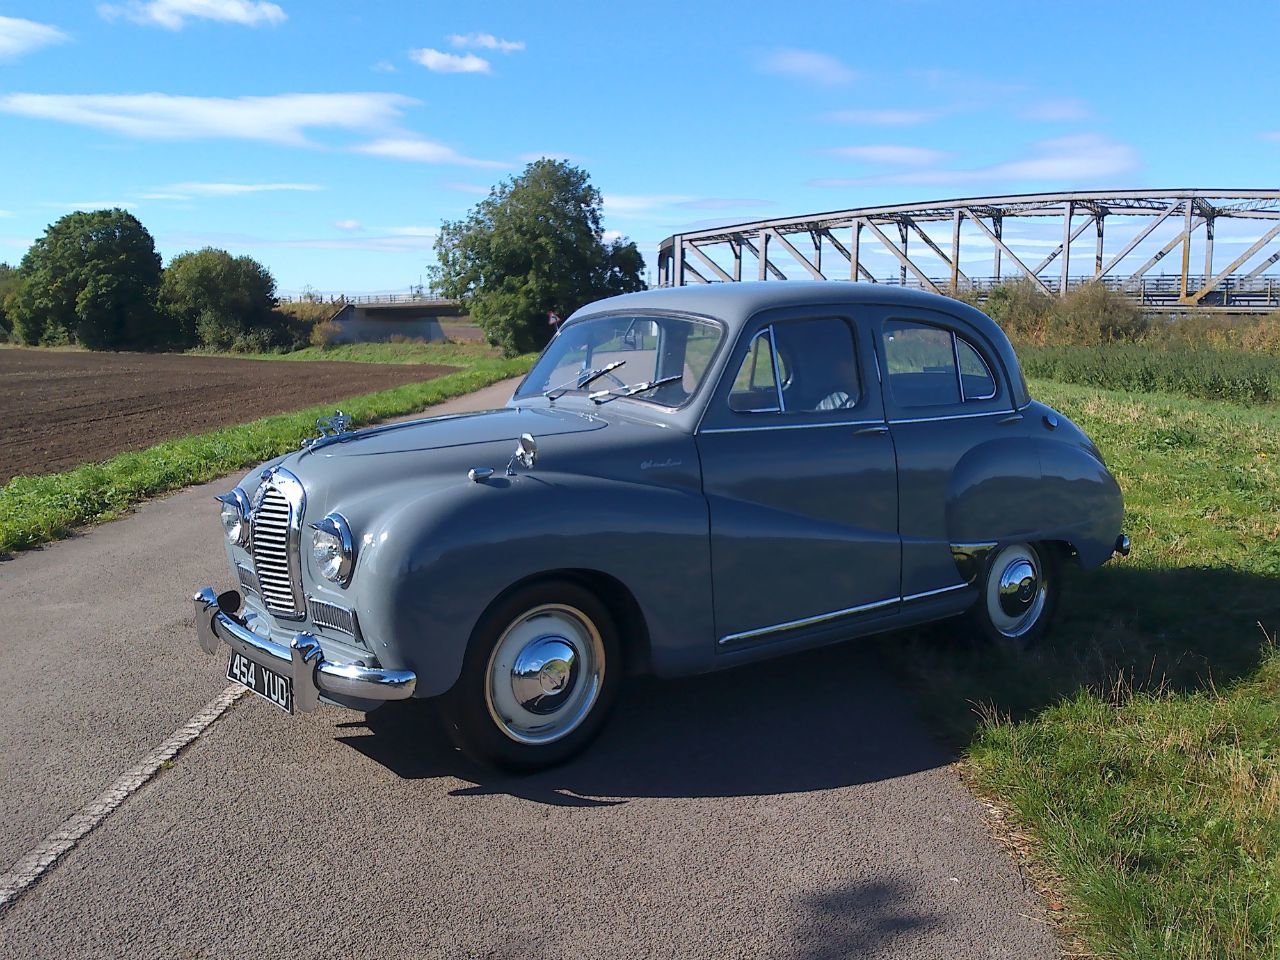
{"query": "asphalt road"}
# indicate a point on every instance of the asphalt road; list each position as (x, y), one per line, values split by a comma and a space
(791, 809)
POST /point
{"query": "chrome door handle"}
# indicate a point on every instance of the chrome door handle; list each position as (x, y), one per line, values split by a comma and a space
(879, 428)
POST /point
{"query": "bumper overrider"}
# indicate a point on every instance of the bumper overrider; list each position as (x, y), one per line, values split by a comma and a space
(302, 660)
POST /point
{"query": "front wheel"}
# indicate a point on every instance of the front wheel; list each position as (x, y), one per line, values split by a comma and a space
(1020, 587)
(541, 671)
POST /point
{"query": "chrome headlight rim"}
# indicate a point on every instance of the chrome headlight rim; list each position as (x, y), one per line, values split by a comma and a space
(239, 501)
(335, 525)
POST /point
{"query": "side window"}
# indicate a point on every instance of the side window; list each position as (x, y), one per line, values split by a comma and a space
(976, 380)
(922, 364)
(933, 367)
(755, 388)
(819, 363)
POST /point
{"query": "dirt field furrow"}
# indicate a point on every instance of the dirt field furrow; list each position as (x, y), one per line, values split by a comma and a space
(65, 408)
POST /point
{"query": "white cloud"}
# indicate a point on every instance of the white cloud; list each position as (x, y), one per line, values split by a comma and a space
(19, 36)
(881, 118)
(484, 41)
(413, 231)
(173, 14)
(1085, 157)
(472, 188)
(349, 226)
(185, 191)
(892, 155)
(6, 213)
(419, 150)
(1063, 109)
(383, 66)
(819, 68)
(88, 204)
(439, 62)
(1272, 135)
(636, 203)
(283, 118)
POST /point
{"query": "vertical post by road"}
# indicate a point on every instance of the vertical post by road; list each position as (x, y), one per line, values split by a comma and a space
(1186, 250)
(955, 251)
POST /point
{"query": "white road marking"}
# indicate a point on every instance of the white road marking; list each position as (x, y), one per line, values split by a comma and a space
(48, 851)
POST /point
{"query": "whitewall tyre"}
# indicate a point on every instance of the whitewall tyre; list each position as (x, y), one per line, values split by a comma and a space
(1019, 590)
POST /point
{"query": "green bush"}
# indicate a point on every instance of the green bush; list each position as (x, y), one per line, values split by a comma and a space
(1248, 378)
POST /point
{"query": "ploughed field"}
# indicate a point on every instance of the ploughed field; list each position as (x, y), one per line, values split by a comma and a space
(65, 408)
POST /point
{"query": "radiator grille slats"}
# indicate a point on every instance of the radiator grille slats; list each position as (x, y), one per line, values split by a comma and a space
(331, 615)
(273, 522)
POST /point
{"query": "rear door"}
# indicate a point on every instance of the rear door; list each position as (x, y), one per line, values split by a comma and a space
(946, 395)
(799, 473)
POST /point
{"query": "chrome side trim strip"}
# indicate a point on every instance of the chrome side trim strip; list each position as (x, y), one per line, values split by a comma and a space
(806, 622)
(951, 416)
(934, 593)
(793, 426)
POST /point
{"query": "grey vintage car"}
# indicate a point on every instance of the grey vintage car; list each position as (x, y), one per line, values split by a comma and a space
(701, 477)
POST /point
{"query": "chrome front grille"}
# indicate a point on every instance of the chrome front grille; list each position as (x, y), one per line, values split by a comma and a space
(276, 518)
(325, 614)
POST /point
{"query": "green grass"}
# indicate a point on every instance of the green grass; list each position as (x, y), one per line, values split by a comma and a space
(1237, 376)
(451, 354)
(34, 510)
(1139, 743)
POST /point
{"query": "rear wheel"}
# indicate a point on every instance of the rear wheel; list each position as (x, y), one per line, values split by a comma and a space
(1020, 587)
(541, 671)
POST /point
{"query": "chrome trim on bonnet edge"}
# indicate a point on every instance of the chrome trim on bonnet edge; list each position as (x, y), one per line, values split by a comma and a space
(806, 621)
(303, 660)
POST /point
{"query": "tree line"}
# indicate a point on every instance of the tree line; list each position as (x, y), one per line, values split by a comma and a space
(94, 279)
(534, 249)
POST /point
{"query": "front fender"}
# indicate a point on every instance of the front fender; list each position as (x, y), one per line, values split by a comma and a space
(434, 563)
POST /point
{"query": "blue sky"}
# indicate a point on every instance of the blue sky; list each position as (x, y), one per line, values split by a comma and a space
(329, 139)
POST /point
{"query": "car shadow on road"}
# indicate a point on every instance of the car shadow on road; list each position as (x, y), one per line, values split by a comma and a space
(828, 718)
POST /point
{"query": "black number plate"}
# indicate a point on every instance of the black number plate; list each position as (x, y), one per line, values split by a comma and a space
(266, 683)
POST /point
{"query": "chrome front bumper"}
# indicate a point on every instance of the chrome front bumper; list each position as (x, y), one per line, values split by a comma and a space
(303, 660)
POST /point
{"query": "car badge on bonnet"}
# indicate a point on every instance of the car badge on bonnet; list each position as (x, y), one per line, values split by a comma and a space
(331, 428)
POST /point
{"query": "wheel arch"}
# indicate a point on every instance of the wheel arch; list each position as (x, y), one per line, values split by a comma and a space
(628, 617)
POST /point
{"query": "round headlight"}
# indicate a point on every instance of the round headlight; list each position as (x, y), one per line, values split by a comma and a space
(332, 548)
(234, 512)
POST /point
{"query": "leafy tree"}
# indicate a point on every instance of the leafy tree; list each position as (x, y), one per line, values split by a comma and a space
(533, 246)
(8, 280)
(92, 278)
(216, 299)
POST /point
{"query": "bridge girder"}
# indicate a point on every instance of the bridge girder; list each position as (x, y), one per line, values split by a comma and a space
(716, 255)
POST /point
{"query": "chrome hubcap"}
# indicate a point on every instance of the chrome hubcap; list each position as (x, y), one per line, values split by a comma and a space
(1016, 590)
(545, 674)
(1018, 585)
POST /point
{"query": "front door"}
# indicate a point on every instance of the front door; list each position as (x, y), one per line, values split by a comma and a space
(799, 473)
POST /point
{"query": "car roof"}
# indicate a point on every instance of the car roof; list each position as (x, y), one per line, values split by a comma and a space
(736, 303)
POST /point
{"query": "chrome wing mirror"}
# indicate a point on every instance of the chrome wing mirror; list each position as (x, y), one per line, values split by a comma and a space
(526, 454)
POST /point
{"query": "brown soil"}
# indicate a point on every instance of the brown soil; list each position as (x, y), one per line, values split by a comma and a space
(59, 409)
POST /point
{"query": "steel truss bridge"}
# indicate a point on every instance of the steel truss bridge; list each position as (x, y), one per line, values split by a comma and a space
(930, 242)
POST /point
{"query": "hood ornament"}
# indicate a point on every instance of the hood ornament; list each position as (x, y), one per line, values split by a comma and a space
(526, 454)
(331, 429)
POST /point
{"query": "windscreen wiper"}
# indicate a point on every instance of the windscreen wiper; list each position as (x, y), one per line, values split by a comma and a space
(581, 380)
(604, 396)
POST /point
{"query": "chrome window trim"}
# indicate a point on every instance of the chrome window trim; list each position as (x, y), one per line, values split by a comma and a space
(751, 345)
(934, 593)
(795, 426)
(777, 373)
(732, 638)
(955, 357)
(956, 340)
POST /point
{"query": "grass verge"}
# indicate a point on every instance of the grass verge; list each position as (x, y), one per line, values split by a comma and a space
(1245, 378)
(34, 510)
(1139, 744)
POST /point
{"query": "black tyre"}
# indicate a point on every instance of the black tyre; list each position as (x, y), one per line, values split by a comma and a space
(541, 672)
(1019, 591)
